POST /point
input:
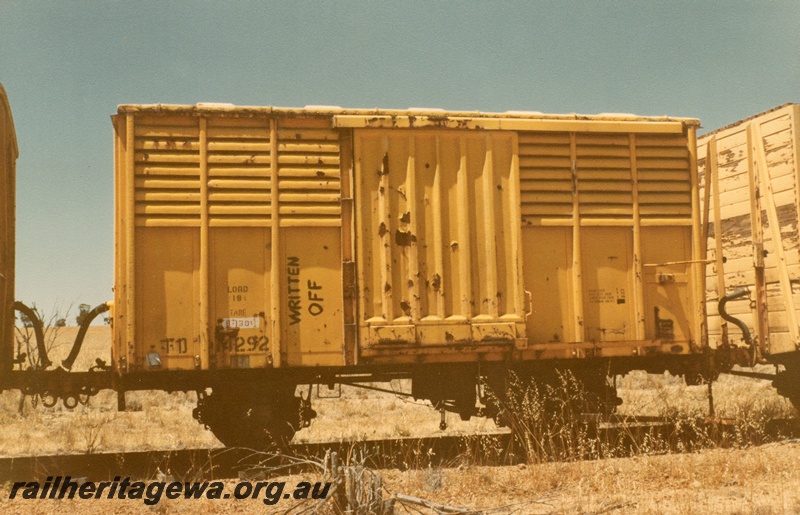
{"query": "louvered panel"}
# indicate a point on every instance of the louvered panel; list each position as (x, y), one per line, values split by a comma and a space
(540, 211)
(600, 210)
(551, 185)
(239, 173)
(603, 163)
(664, 180)
(602, 141)
(182, 131)
(663, 197)
(167, 183)
(545, 175)
(309, 177)
(665, 186)
(605, 197)
(595, 149)
(227, 209)
(603, 169)
(319, 136)
(604, 180)
(649, 163)
(604, 175)
(540, 159)
(320, 198)
(239, 145)
(239, 183)
(167, 171)
(262, 198)
(668, 210)
(663, 176)
(165, 209)
(605, 185)
(156, 196)
(546, 197)
(149, 170)
(533, 174)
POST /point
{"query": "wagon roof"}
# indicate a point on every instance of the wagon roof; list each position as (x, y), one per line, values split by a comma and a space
(344, 117)
(744, 120)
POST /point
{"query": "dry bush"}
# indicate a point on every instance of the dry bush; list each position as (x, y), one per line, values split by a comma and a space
(550, 422)
(546, 420)
(27, 351)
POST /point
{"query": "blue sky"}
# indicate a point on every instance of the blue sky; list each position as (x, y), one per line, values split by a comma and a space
(67, 65)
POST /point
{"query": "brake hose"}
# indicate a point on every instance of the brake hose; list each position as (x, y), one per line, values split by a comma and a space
(741, 325)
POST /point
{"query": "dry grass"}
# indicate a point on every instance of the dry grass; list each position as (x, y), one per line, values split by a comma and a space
(154, 420)
(665, 395)
(760, 480)
(749, 479)
(158, 420)
(763, 480)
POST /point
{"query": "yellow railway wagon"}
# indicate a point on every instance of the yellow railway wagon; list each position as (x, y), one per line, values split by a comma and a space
(8, 158)
(328, 237)
(752, 211)
(320, 240)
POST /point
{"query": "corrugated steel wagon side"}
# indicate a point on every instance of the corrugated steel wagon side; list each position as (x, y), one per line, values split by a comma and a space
(752, 212)
(258, 248)
(8, 157)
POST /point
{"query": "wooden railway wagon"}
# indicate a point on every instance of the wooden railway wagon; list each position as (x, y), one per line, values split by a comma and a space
(259, 248)
(8, 159)
(751, 209)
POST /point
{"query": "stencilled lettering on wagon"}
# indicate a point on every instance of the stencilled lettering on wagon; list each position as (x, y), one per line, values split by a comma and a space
(171, 346)
(241, 323)
(314, 295)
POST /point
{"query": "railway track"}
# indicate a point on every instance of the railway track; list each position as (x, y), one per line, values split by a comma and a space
(617, 437)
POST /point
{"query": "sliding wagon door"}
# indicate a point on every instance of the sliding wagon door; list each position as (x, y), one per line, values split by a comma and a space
(437, 232)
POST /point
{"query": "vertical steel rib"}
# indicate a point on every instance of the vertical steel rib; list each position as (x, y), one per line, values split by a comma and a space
(464, 218)
(638, 270)
(385, 238)
(204, 249)
(276, 266)
(130, 215)
(412, 275)
(438, 240)
(489, 221)
(515, 216)
(577, 276)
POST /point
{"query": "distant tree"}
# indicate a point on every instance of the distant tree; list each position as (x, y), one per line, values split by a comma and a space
(27, 350)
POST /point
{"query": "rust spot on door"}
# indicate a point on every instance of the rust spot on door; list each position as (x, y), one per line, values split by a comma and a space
(404, 238)
(384, 165)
